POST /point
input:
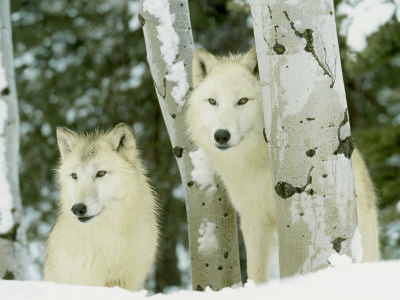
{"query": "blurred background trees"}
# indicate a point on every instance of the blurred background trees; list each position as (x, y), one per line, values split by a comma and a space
(82, 64)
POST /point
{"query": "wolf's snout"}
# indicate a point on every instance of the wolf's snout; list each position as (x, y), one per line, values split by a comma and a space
(79, 209)
(222, 136)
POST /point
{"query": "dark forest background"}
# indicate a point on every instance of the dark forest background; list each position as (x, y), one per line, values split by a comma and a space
(82, 64)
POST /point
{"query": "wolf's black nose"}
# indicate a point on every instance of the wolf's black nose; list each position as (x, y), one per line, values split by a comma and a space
(222, 136)
(79, 209)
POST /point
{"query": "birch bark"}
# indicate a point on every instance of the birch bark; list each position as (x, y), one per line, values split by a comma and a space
(13, 255)
(308, 131)
(212, 223)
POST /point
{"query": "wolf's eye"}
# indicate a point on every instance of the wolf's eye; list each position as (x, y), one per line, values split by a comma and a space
(74, 176)
(101, 173)
(212, 101)
(242, 101)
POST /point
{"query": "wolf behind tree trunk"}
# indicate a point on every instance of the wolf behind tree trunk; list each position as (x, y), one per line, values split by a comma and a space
(169, 45)
(308, 133)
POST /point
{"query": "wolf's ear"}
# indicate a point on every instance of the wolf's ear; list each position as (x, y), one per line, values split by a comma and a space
(66, 139)
(249, 60)
(122, 138)
(202, 64)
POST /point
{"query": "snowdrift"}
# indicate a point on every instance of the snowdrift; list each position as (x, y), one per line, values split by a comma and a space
(368, 281)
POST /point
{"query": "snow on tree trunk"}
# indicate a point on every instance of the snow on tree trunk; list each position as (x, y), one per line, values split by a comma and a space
(213, 237)
(12, 235)
(308, 132)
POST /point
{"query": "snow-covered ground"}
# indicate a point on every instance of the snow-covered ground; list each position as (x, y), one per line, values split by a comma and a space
(368, 281)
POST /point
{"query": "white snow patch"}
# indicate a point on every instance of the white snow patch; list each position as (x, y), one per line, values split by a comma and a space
(179, 91)
(135, 77)
(356, 246)
(179, 192)
(133, 10)
(45, 129)
(237, 285)
(202, 172)
(367, 281)
(27, 59)
(70, 115)
(208, 242)
(363, 19)
(169, 47)
(166, 33)
(136, 74)
(339, 260)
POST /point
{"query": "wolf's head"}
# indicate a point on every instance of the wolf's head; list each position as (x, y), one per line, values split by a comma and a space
(225, 107)
(95, 169)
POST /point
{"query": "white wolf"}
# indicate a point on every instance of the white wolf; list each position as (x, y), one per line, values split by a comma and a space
(225, 119)
(107, 231)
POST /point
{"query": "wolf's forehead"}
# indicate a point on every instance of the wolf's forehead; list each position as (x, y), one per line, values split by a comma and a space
(232, 74)
(88, 151)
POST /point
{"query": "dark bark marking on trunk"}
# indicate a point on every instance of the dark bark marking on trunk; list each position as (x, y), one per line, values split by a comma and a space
(337, 244)
(178, 151)
(270, 12)
(142, 20)
(265, 136)
(163, 95)
(346, 146)
(286, 190)
(310, 152)
(190, 183)
(307, 35)
(5, 91)
(278, 48)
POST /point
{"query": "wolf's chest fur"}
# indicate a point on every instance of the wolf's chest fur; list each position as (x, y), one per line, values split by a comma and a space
(247, 177)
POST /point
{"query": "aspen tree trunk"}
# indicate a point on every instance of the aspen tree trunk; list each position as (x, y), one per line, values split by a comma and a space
(13, 255)
(213, 237)
(308, 131)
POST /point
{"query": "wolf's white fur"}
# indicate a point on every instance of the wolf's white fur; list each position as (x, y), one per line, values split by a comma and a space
(245, 167)
(118, 245)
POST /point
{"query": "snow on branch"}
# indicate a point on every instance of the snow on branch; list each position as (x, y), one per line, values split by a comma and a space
(169, 47)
